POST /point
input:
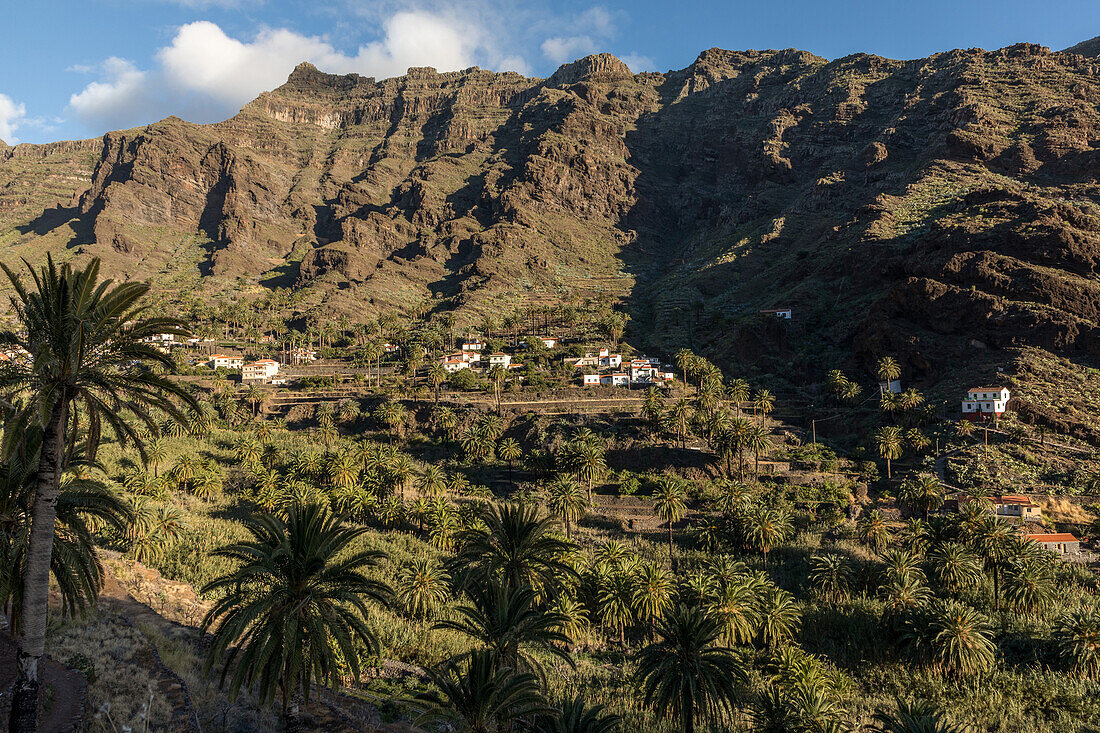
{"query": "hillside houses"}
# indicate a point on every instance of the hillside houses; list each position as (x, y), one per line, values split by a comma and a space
(784, 313)
(261, 371)
(225, 361)
(602, 360)
(642, 371)
(984, 403)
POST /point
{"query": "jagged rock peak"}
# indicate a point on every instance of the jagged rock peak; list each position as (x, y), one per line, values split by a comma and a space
(597, 67)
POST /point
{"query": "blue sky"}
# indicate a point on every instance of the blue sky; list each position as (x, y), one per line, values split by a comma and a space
(77, 69)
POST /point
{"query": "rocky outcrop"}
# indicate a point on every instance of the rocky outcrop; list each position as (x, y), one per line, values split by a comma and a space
(915, 207)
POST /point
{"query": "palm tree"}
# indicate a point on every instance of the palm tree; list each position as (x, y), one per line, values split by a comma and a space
(873, 530)
(514, 543)
(888, 439)
(567, 501)
(156, 453)
(587, 459)
(577, 717)
(683, 359)
(900, 564)
(902, 597)
(766, 528)
(922, 493)
(437, 377)
(669, 504)
(830, 576)
(764, 402)
(83, 504)
(887, 369)
(86, 373)
(422, 586)
(954, 567)
(509, 450)
(964, 429)
(686, 674)
(916, 717)
(433, 481)
(479, 696)
(615, 600)
(780, 617)
(757, 441)
(678, 418)
(737, 607)
(653, 592)
(292, 611)
(1029, 585)
(953, 637)
(995, 539)
(509, 624)
(1078, 639)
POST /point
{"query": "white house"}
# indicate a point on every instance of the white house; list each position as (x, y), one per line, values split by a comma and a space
(784, 313)
(609, 360)
(615, 379)
(259, 371)
(473, 345)
(301, 354)
(390, 348)
(500, 360)
(162, 338)
(224, 361)
(549, 341)
(981, 403)
(892, 385)
(454, 363)
(590, 380)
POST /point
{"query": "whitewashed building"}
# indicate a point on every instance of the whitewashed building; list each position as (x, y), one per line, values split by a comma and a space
(982, 403)
(224, 361)
(259, 371)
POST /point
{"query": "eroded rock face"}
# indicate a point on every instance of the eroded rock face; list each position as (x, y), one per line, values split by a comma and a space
(914, 207)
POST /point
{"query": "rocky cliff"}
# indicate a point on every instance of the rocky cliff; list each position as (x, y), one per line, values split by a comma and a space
(942, 209)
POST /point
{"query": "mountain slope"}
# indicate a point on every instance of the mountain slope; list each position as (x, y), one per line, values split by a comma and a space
(941, 209)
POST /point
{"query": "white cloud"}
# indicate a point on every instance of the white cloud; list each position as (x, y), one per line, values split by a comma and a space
(639, 63)
(561, 50)
(581, 35)
(206, 75)
(12, 114)
(118, 100)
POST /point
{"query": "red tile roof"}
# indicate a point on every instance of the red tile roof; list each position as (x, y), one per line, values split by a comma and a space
(1056, 537)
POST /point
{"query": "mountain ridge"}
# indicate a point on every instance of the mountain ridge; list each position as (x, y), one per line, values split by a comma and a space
(940, 209)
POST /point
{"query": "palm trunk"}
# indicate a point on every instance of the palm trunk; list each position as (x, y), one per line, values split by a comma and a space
(36, 579)
(670, 540)
(687, 709)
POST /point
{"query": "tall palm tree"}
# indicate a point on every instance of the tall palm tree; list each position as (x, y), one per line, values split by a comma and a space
(567, 501)
(916, 717)
(422, 586)
(509, 450)
(615, 599)
(670, 504)
(85, 373)
(678, 417)
(686, 674)
(477, 695)
(437, 377)
(588, 460)
(757, 441)
(293, 608)
(888, 440)
(432, 482)
(514, 543)
(1029, 585)
(887, 369)
(764, 403)
(995, 539)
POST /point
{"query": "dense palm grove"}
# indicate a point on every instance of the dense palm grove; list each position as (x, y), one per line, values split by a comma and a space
(474, 545)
